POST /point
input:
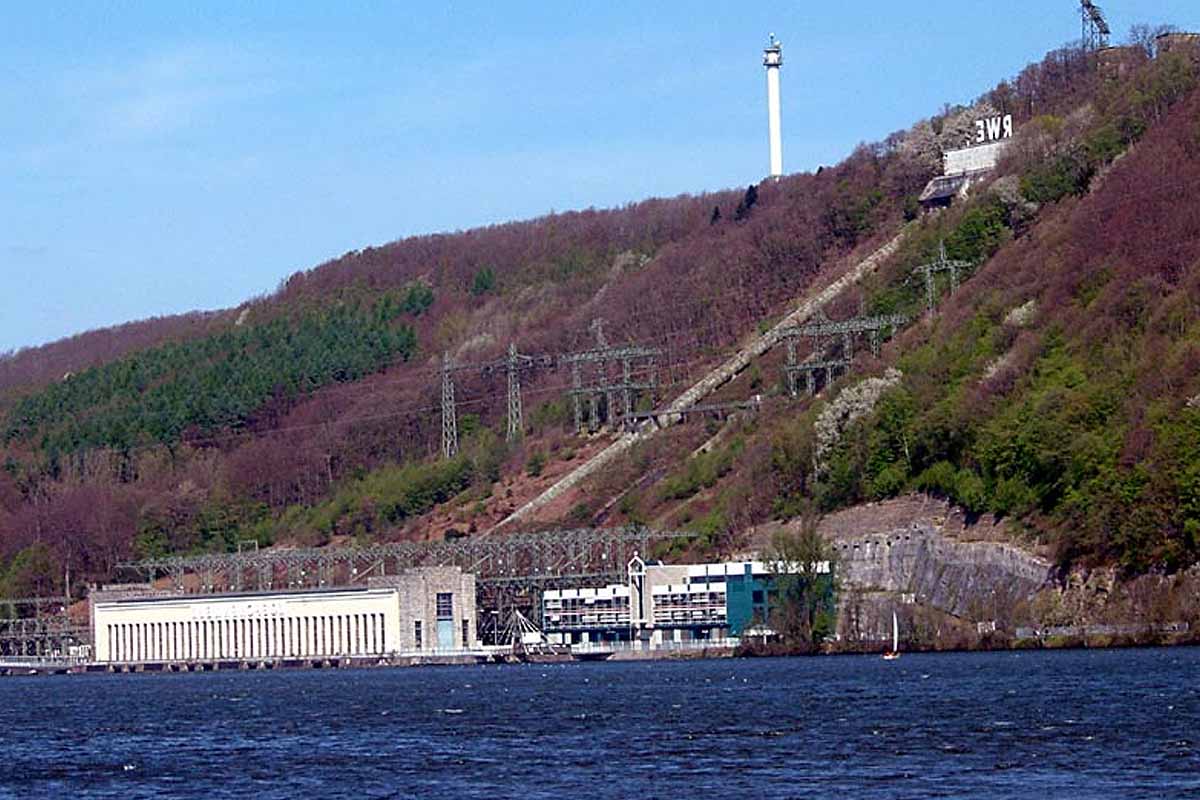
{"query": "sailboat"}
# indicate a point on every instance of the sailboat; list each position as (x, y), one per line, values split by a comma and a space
(894, 653)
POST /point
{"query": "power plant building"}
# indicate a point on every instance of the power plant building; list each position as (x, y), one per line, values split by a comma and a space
(663, 604)
(426, 609)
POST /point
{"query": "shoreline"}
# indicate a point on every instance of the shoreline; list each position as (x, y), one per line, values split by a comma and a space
(749, 651)
(995, 645)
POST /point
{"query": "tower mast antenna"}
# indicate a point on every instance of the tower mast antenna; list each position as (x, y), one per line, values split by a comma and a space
(773, 61)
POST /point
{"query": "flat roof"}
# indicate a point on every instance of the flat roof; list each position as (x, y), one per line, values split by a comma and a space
(280, 593)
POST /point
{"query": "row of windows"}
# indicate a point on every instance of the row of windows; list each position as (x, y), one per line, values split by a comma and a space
(571, 603)
(578, 620)
(690, 615)
(707, 608)
(691, 607)
(714, 598)
(445, 605)
(277, 637)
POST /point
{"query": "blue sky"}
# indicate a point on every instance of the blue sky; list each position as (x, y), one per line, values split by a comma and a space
(163, 157)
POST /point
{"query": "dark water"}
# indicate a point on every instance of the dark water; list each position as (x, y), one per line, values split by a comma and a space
(1066, 724)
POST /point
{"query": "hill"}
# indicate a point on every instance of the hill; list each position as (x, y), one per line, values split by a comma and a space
(1052, 389)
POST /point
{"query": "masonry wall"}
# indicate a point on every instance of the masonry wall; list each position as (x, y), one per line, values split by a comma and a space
(418, 591)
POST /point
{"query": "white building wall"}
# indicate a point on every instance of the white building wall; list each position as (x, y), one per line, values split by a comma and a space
(357, 622)
(974, 159)
(774, 123)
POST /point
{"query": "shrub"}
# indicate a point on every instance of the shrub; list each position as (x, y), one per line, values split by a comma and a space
(418, 299)
(983, 228)
(701, 472)
(938, 479)
(889, 482)
(535, 464)
(969, 491)
(1013, 497)
(484, 282)
(580, 514)
(1052, 181)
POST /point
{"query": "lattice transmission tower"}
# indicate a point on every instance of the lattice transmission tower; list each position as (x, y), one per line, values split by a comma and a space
(515, 363)
(637, 373)
(449, 411)
(940, 264)
(1095, 26)
(826, 361)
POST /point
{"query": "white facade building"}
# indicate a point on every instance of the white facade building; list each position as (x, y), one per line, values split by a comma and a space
(604, 607)
(664, 603)
(420, 610)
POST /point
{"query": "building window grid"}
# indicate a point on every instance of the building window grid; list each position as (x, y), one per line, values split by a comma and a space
(580, 612)
(689, 607)
(445, 605)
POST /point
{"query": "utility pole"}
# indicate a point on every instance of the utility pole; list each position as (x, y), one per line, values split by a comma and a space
(940, 264)
(449, 412)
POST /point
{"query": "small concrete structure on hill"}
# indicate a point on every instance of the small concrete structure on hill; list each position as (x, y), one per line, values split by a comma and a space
(963, 166)
(1177, 41)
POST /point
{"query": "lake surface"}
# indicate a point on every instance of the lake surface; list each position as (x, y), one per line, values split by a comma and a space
(1101, 724)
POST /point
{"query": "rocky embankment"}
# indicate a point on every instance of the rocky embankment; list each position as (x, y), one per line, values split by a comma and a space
(959, 582)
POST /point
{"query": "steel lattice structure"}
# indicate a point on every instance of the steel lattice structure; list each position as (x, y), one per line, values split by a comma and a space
(822, 329)
(522, 562)
(38, 627)
(716, 410)
(811, 370)
(941, 264)
(602, 357)
(514, 364)
(1095, 27)
(449, 412)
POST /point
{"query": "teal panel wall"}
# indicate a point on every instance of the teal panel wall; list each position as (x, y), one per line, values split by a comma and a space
(746, 599)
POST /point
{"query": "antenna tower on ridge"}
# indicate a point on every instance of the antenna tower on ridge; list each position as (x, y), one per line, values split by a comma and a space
(1095, 27)
(773, 61)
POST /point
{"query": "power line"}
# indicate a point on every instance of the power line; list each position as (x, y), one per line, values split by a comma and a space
(1176, 245)
(682, 332)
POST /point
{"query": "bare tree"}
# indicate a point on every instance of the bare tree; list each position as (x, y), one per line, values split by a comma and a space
(1145, 37)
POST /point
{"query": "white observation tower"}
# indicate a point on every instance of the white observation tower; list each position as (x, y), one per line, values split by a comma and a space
(773, 60)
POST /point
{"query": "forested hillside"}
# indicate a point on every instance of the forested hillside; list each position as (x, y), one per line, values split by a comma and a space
(327, 390)
(1052, 388)
(1057, 388)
